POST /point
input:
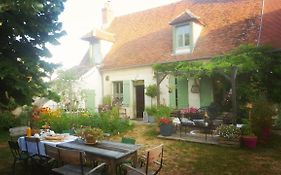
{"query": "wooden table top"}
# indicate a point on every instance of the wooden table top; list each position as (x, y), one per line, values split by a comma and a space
(108, 149)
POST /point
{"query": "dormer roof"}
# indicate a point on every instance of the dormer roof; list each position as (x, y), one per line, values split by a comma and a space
(98, 34)
(186, 16)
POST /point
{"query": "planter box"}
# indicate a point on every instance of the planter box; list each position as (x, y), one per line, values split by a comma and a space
(166, 130)
(249, 141)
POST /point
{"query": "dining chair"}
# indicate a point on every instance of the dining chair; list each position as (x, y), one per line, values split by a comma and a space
(38, 160)
(52, 153)
(74, 163)
(18, 155)
(150, 163)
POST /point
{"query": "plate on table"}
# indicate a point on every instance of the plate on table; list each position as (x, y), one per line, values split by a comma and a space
(58, 138)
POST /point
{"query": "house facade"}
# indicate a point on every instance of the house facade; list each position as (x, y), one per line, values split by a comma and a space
(123, 51)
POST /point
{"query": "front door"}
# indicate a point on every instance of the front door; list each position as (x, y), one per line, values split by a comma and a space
(139, 100)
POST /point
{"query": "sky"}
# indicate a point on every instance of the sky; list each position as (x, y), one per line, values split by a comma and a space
(80, 17)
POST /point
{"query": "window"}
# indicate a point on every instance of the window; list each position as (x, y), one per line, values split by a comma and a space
(182, 39)
(118, 90)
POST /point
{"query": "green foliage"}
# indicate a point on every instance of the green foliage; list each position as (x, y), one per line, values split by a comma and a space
(163, 111)
(151, 91)
(159, 111)
(7, 120)
(151, 111)
(106, 100)
(25, 28)
(261, 116)
(229, 132)
(259, 71)
(277, 123)
(246, 130)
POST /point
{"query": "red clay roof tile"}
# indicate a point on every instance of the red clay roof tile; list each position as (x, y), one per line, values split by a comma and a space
(271, 23)
(144, 38)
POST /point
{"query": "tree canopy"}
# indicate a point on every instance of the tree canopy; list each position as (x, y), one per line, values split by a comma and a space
(25, 28)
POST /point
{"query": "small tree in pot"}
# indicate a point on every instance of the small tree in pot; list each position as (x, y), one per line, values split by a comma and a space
(151, 91)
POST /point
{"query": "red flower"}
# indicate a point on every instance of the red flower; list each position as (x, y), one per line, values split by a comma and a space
(191, 110)
(165, 120)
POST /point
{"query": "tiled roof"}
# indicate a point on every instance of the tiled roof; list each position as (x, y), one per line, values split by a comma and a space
(145, 37)
(186, 16)
(271, 23)
(98, 34)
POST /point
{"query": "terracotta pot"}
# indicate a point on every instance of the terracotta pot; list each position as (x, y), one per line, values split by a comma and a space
(250, 141)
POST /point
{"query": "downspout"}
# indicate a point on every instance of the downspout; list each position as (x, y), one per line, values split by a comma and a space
(261, 21)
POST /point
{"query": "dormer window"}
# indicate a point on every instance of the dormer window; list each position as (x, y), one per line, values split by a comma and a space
(182, 38)
(186, 31)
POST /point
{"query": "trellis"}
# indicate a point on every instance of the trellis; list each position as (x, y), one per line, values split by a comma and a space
(161, 75)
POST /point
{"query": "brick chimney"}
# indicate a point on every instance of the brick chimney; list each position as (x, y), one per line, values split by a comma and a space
(107, 15)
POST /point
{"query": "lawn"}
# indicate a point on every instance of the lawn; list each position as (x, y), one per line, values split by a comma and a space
(190, 158)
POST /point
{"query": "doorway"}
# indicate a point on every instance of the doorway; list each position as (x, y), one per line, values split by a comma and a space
(139, 100)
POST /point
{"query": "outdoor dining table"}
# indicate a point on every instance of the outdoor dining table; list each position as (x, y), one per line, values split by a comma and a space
(112, 153)
(33, 147)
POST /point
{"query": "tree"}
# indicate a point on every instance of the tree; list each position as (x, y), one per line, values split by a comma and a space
(151, 91)
(25, 28)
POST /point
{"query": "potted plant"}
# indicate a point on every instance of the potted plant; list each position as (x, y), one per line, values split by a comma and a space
(166, 126)
(261, 119)
(90, 135)
(151, 113)
(248, 138)
(151, 91)
(229, 134)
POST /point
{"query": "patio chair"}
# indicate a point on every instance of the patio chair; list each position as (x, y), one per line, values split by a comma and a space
(18, 155)
(52, 153)
(74, 163)
(151, 163)
(128, 140)
(33, 149)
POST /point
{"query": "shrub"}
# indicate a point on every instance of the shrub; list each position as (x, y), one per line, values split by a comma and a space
(229, 132)
(261, 116)
(105, 121)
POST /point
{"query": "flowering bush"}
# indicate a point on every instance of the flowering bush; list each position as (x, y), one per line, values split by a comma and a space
(165, 121)
(229, 132)
(191, 110)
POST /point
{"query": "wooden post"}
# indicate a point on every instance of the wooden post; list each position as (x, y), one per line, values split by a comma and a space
(159, 78)
(233, 86)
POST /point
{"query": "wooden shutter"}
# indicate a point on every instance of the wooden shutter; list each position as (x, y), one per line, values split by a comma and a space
(126, 93)
(182, 86)
(90, 96)
(172, 96)
(206, 92)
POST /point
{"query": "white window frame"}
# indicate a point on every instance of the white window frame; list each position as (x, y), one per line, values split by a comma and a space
(118, 89)
(181, 30)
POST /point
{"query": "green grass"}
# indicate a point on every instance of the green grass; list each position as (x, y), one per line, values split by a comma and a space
(192, 158)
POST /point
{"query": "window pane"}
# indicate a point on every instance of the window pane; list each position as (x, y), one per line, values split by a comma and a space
(179, 41)
(182, 36)
(186, 39)
(121, 87)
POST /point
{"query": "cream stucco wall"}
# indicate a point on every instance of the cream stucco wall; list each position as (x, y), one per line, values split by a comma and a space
(92, 81)
(134, 74)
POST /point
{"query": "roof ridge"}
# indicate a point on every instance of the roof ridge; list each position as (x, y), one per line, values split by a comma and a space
(149, 9)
